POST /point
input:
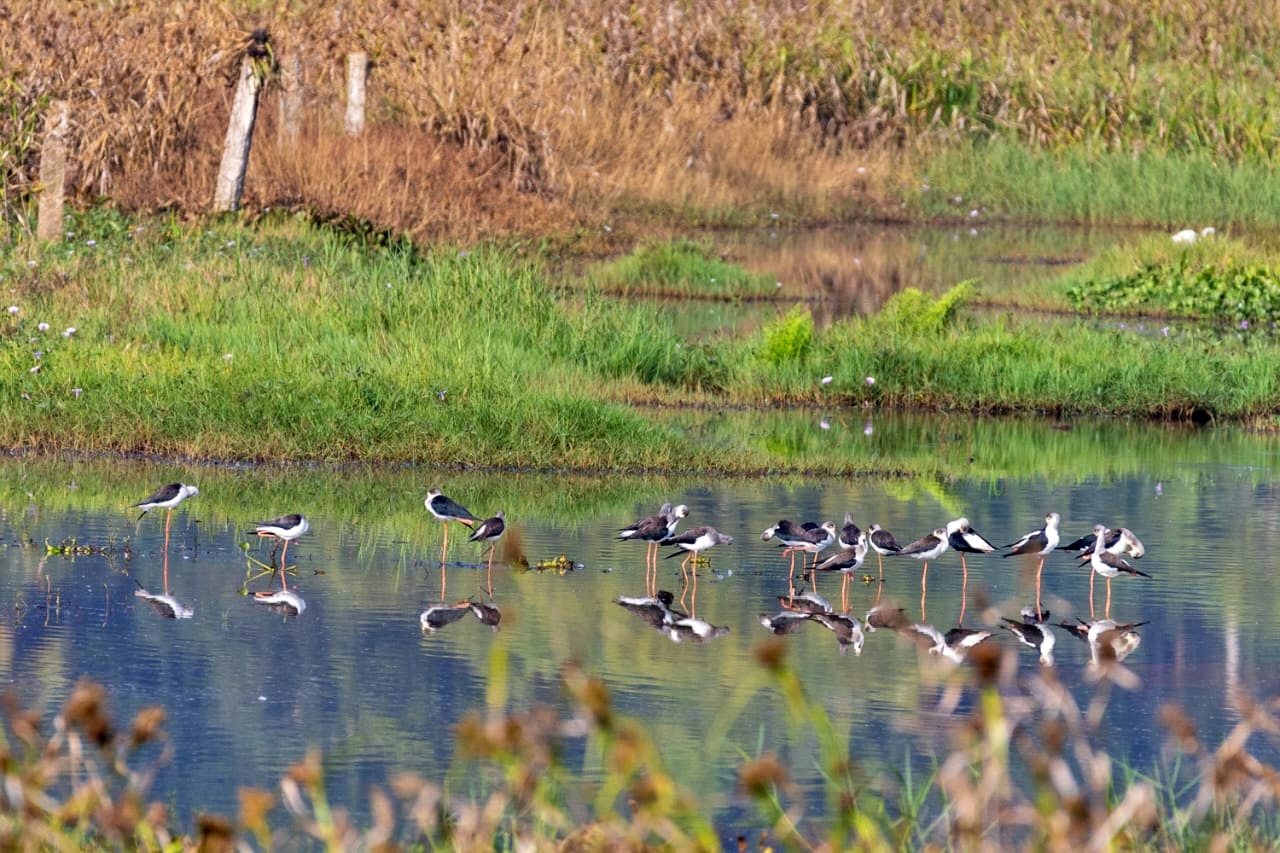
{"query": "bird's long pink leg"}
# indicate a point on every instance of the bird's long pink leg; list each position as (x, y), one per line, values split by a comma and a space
(924, 586)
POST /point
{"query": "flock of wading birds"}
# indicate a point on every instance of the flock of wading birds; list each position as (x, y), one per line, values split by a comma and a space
(1105, 549)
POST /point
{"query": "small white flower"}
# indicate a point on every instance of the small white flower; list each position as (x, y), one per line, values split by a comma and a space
(871, 380)
(227, 358)
(973, 213)
(91, 243)
(13, 310)
(824, 424)
(44, 327)
(35, 369)
(868, 429)
(861, 170)
(826, 380)
(69, 331)
(76, 392)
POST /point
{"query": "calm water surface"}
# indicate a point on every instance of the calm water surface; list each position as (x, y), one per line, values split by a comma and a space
(250, 688)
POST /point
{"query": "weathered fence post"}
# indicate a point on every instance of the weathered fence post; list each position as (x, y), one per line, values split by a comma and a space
(357, 73)
(235, 151)
(291, 102)
(53, 172)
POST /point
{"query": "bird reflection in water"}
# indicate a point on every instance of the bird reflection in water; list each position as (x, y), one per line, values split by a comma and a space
(657, 612)
(440, 616)
(163, 603)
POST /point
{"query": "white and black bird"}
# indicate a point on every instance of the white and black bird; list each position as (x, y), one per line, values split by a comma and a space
(805, 539)
(447, 510)
(1105, 563)
(927, 549)
(883, 543)
(847, 562)
(284, 529)
(849, 533)
(694, 541)
(653, 531)
(166, 498)
(1041, 543)
(490, 530)
(963, 539)
(1119, 540)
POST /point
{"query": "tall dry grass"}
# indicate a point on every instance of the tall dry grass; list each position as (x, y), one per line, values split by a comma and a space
(568, 111)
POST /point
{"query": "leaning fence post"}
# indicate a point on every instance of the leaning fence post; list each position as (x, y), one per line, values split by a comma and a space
(53, 172)
(235, 151)
(291, 100)
(357, 73)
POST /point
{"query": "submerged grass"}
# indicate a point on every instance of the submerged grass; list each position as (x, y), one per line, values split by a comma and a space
(287, 341)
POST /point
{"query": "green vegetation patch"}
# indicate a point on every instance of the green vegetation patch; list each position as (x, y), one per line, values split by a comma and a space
(684, 268)
(1212, 279)
(1245, 293)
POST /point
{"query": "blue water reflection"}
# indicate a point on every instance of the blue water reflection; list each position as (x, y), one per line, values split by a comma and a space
(250, 688)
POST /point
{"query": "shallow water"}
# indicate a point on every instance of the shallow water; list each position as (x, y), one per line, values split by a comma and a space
(250, 688)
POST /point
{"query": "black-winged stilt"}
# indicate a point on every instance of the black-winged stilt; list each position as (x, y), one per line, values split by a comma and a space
(447, 510)
(1039, 542)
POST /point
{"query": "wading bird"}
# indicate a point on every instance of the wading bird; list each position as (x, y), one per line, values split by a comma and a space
(447, 510)
(1040, 542)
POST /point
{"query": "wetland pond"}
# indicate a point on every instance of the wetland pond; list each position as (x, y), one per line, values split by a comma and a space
(249, 688)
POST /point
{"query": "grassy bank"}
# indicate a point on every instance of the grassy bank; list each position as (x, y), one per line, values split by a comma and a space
(285, 341)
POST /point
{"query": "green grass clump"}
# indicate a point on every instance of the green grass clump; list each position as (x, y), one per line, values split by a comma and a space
(912, 312)
(788, 340)
(683, 268)
(1005, 180)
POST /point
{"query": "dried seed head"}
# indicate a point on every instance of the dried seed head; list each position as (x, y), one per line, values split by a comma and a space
(771, 653)
(146, 725)
(761, 777)
(1180, 726)
(255, 803)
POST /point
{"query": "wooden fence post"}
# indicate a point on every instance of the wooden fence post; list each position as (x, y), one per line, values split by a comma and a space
(235, 151)
(357, 73)
(53, 172)
(291, 102)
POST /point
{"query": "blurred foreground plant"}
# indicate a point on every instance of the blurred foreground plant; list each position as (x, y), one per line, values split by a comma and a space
(1023, 771)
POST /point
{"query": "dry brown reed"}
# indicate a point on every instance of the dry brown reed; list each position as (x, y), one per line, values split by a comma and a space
(547, 108)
